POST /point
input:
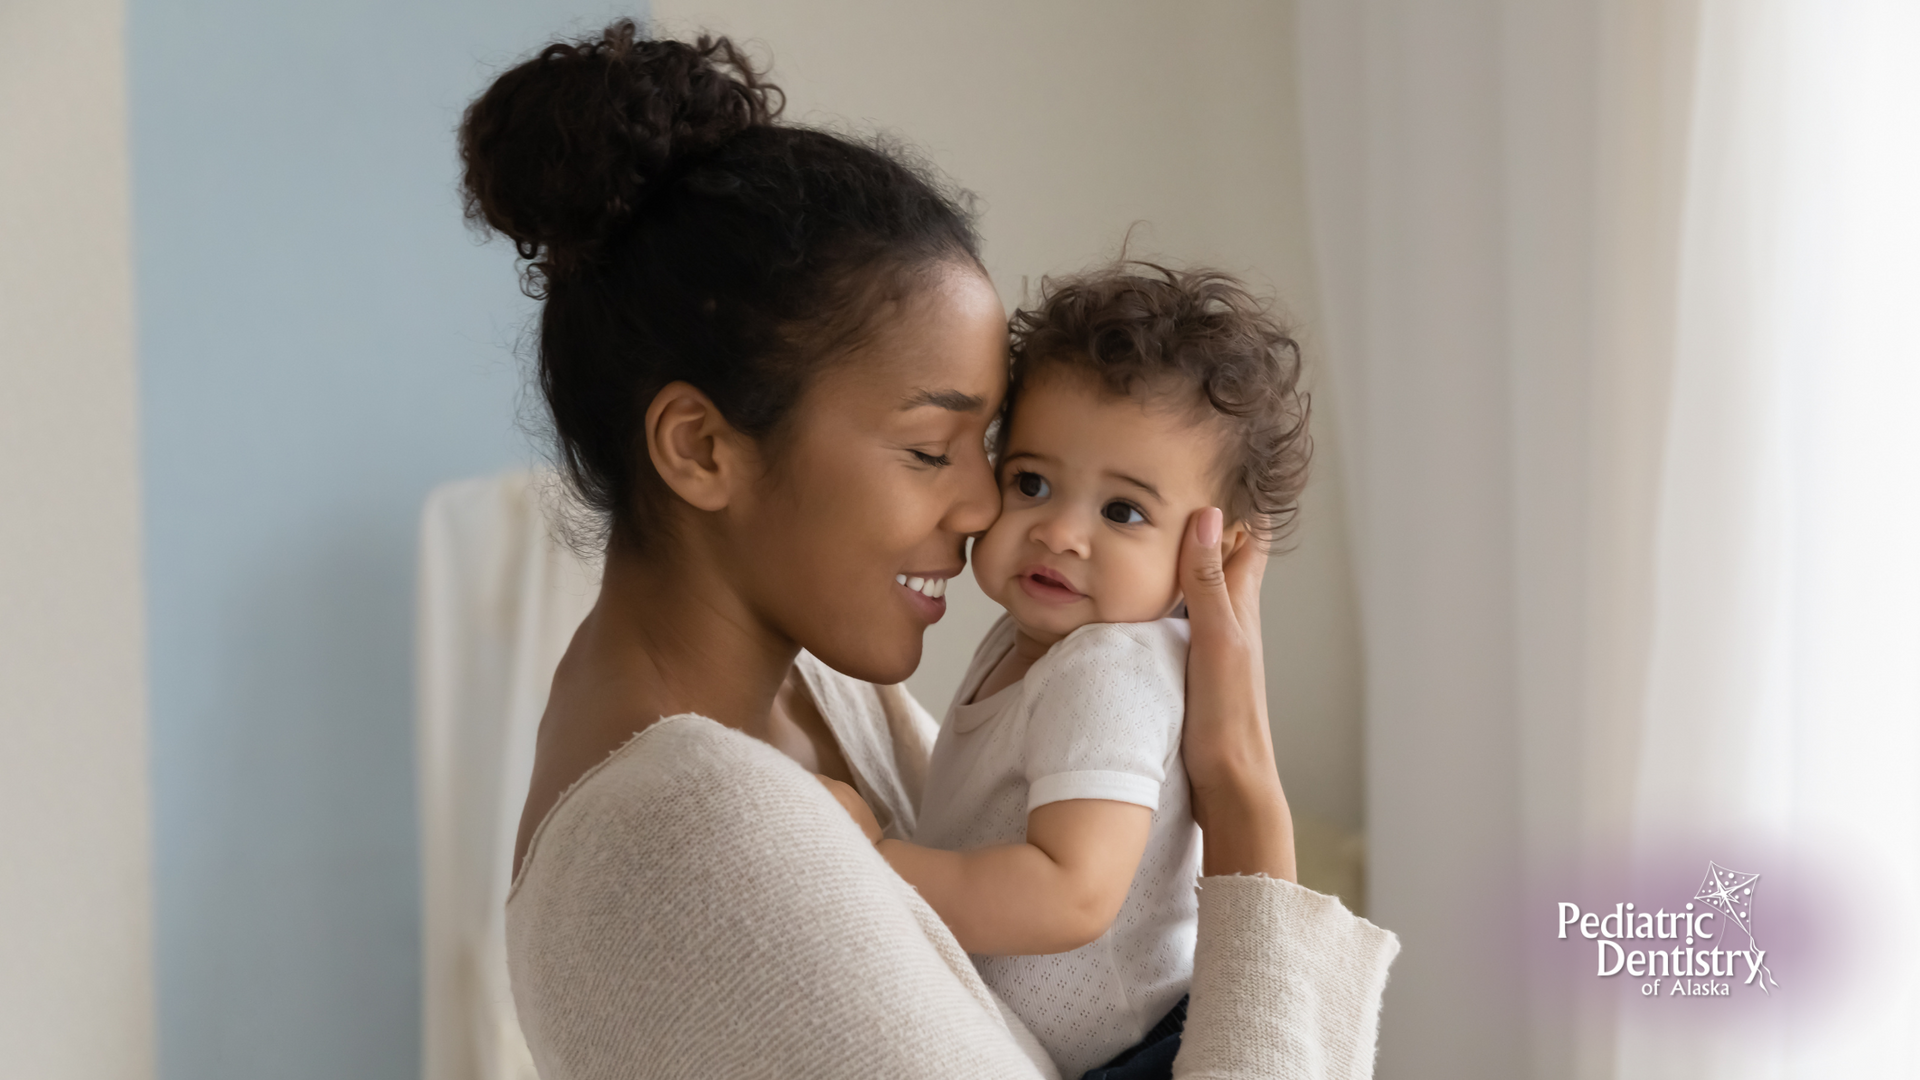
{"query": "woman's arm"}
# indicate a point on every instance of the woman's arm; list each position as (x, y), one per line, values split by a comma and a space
(1237, 798)
(1286, 981)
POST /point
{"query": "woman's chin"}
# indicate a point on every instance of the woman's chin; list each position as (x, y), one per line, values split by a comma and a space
(882, 666)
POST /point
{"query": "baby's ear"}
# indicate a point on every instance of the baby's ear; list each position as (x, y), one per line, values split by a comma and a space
(1236, 537)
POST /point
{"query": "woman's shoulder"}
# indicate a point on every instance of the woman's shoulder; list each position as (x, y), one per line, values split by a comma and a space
(700, 903)
(671, 747)
(679, 767)
(663, 837)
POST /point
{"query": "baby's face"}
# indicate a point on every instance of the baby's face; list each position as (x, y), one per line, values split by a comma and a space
(1095, 495)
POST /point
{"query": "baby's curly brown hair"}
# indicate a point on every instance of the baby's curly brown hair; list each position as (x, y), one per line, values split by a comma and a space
(1133, 324)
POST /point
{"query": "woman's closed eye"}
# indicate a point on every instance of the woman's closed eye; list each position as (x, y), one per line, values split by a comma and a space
(1121, 512)
(1032, 485)
(936, 461)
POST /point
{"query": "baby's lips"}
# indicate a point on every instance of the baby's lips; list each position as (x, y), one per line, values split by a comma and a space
(1049, 576)
(1048, 586)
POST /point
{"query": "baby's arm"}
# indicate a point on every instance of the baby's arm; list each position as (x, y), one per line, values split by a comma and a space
(856, 807)
(1058, 891)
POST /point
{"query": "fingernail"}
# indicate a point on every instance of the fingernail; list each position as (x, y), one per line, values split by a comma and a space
(1210, 526)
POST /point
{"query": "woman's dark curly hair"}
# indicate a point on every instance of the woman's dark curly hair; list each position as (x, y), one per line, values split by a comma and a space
(1138, 326)
(676, 230)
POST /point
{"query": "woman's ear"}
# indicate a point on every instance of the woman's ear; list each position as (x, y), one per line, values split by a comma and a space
(694, 449)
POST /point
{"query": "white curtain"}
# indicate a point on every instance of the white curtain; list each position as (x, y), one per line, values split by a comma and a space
(499, 600)
(1617, 299)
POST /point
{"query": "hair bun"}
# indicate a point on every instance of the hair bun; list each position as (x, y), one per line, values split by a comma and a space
(560, 150)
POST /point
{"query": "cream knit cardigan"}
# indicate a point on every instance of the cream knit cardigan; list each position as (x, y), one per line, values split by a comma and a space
(698, 906)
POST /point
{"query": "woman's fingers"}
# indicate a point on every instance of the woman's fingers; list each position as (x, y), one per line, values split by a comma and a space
(1245, 567)
(1221, 580)
(1237, 797)
(1202, 577)
(1217, 676)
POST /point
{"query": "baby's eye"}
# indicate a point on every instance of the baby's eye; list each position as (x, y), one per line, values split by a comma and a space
(1122, 513)
(1032, 485)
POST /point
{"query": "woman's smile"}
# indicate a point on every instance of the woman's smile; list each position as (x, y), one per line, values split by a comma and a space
(927, 592)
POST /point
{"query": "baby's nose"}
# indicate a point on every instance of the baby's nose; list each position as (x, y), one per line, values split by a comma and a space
(1062, 534)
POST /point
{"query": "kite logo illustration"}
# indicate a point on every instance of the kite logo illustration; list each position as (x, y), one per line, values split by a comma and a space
(1696, 964)
(1730, 892)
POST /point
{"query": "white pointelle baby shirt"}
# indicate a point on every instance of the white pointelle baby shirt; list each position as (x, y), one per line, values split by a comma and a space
(1097, 717)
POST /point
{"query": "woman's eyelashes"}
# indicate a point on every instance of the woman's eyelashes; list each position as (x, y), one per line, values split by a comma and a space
(935, 461)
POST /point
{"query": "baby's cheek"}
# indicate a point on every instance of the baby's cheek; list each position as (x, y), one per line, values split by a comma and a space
(1145, 587)
(1169, 590)
(990, 558)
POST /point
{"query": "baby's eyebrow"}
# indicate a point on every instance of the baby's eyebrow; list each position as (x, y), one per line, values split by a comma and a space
(1141, 484)
(950, 400)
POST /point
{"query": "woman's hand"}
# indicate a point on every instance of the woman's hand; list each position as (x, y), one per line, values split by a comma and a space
(855, 806)
(1237, 798)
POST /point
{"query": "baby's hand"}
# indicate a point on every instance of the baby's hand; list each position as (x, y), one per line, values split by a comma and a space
(855, 806)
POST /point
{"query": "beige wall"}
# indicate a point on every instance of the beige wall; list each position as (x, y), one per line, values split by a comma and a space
(75, 972)
(1073, 121)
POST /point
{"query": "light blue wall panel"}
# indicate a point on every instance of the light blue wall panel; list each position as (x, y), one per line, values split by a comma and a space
(321, 341)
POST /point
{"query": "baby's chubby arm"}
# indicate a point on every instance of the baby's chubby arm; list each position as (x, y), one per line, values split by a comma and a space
(1056, 892)
(856, 807)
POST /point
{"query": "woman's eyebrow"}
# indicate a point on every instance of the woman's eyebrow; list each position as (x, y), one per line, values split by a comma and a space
(951, 400)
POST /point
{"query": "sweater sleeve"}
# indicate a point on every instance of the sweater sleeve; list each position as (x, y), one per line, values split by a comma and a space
(1286, 984)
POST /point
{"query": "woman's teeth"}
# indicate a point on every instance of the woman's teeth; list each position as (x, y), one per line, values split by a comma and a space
(925, 586)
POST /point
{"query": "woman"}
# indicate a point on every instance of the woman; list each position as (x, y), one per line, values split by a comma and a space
(771, 356)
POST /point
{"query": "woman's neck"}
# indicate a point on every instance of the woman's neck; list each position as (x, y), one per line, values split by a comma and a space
(666, 636)
(669, 636)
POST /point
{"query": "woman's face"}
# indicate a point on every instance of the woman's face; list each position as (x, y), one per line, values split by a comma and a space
(880, 481)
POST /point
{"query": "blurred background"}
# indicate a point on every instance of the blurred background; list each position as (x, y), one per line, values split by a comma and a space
(1609, 553)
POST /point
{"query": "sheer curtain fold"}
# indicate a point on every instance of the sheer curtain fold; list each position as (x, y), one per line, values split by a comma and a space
(1612, 298)
(499, 599)
(1784, 685)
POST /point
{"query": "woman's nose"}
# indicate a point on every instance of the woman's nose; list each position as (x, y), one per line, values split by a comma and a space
(977, 497)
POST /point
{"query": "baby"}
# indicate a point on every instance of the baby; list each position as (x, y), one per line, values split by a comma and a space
(1055, 836)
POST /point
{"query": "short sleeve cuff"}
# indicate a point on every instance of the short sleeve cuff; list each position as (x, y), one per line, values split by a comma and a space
(1094, 784)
